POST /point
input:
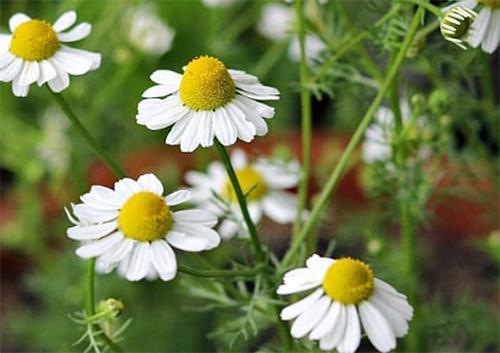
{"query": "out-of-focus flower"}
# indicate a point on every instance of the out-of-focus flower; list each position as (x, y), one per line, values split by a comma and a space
(218, 3)
(276, 22)
(263, 181)
(346, 292)
(55, 148)
(314, 47)
(133, 227)
(148, 32)
(35, 52)
(207, 101)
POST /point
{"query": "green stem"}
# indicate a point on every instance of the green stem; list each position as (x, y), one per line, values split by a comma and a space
(305, 102)
(422, 3)
(347, 45)
(254, 237)
(90, 287)
(58, 97)
(229, 274)
(356, 138)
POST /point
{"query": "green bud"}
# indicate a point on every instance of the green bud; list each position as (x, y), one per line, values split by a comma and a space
(439, 101)
(113, 306)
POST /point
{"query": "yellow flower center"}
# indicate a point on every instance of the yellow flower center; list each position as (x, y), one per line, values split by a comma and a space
(145, 217)
(494, 4)
(251, 182)
(206, 84)
(34, 40)
(348, 281)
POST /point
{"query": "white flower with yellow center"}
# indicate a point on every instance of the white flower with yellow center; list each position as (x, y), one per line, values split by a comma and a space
(485, 27)
(35, 52)
(134, 227)
(263, 182)
(207, 101)
(346, 292)
(149, 33)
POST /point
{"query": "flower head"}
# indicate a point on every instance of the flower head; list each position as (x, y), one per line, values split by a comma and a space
(134, 227)
(276, 22)
(207, 101)
(149, 33)
(346, 292)
(264, 182)
(456, 25)
(35, 52)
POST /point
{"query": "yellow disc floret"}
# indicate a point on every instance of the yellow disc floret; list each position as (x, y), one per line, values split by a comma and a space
(494, 4)
(34, 40)
(348, 281)
(145, 217)
(252, 184)
(206, 84)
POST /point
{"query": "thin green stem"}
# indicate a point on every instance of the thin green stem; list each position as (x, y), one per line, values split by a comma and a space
(305, 102)
(58, 97)
(356, 138)
(91, 287)
(429, 7)
(348, 44)
(254, 237)
(228, 274)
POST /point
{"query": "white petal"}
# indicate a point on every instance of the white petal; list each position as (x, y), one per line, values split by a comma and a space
(9, 72)
(352, 334)
(245, 130)
(159, 91)
(224, 129)
(398, 323)
(492, 37)
(140, 262)
(72, 62)
(87, 232)
(77, 33)
(5, 42)
(196, 216)
(103, 198)
(117, 252)
(166, 77)
(198, 231)
(64, 21)
(253, 117)
(309, 318)
(190, 140)
(205, 129)
(181, 241)
(16, 20)
(175, 135)
(47, 72)
(336, 334)
(61, 81)
(178, 197)
(6, 58)
(98, 247)
(292, 311)
(327, 323)
(289, 289)
(480, 27)
(163, 260)
(280, 206)
(149, 182)
(126, 187)
(29, 73)
(397, 303)
(376, 327)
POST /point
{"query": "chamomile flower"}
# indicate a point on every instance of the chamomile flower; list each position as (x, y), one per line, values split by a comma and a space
(207, 101)
(345, 293)
(133, 226)
(148, 32)
(456, 25)
(35, 52)
(487, 26)
(263, 182)
(276, 22)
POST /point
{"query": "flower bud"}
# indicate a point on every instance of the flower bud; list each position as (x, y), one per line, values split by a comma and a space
(456, 25)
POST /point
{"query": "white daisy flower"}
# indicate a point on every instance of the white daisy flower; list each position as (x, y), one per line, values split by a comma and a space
(345, 293)
(133, 226)
(314, 47)
(456, 25)
(207, 101)
(264, 182)
(276, 22)
(35, 52)
(149, 33)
